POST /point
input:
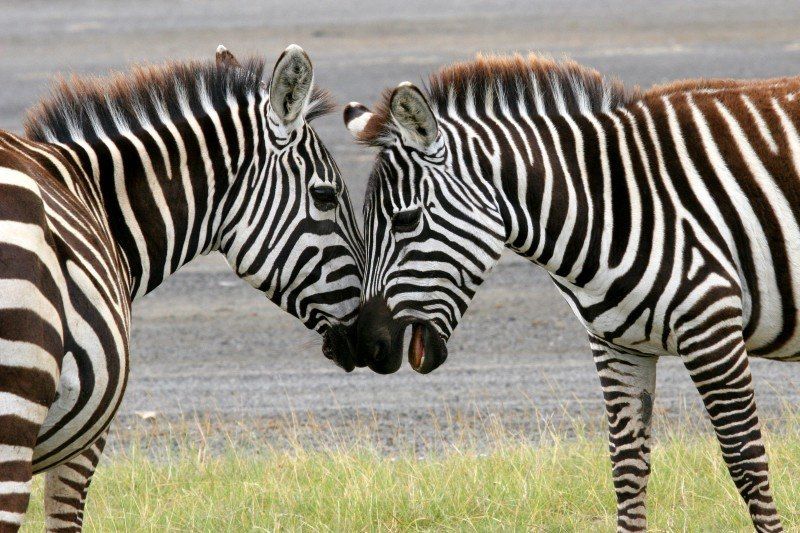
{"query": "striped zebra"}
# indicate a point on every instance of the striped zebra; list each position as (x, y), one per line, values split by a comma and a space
(115, 185)
(669, 219)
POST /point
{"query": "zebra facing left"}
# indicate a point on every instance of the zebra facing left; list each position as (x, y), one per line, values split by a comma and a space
(115, 185)
(669, 219)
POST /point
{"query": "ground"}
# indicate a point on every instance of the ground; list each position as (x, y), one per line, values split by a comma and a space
(206, 345)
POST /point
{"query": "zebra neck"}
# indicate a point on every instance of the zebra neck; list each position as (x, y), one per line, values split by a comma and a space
(159, 190)
(550, 184)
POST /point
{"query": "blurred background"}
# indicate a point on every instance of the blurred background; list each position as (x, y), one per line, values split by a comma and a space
(211, 353)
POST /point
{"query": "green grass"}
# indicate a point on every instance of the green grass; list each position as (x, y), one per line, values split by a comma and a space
(559, 485)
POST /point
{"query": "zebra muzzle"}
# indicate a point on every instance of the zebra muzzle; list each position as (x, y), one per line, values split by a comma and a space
(337, 345)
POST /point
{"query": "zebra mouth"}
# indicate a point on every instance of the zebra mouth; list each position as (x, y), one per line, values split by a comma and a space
(337, 345)
(427, 350)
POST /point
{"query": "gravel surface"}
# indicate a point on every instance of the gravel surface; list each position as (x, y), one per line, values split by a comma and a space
(206, 345)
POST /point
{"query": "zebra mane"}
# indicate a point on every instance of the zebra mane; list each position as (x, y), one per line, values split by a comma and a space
(89, 108)
(546, 86)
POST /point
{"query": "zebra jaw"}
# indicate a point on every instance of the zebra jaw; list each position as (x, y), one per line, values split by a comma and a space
(426, 351)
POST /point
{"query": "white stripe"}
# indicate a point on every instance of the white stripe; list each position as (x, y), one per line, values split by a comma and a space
(15, 487)
(22, 294)
(9, 453)
(760, 124)
(19, 354)
(11, 404)
(186, 180)
(11, 518)
(9, 176)
(188, 115)
(584, 177)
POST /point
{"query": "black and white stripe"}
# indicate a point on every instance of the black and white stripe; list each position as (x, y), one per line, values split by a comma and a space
(117, 184)
(669, 219)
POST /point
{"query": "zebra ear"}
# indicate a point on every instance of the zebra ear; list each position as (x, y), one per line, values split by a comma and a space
(225, 58)
(356, 117)
(291, 84)
(412, 113)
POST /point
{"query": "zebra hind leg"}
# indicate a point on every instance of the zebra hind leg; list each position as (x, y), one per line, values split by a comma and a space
(628, 383)
(25, 394)
(30, 348)
(721, 372)
(66, 486)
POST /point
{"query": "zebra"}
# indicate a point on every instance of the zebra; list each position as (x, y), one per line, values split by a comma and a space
(668, 218)
(116, 183)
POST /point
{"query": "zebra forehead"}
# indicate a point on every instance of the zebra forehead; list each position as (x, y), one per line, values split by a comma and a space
(546, 86)
(378, 170)
(388, 167)
(82, 105)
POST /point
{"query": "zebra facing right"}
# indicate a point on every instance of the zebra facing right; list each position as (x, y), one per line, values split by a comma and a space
(117, 184)
(669, 219)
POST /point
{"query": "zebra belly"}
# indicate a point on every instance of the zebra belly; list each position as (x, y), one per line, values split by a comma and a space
(789, 350)
(643, 336)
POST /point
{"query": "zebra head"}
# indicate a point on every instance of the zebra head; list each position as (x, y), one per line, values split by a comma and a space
(432, 232)
(289, 230)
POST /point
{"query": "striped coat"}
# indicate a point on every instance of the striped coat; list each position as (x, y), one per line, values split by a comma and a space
(117, 184)
(669, 219)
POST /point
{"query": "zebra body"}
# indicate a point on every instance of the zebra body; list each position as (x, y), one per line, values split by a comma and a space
(713, 222)
(66, 308)
(117, 184)
(668, 219)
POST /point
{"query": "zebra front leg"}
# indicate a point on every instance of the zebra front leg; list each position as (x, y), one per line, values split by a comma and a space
(66, 486)
(628, 383)
(721, 372)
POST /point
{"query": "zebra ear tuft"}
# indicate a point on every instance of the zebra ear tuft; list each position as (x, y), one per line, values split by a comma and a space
(291, 84)
(413, 115)
(225, 58)
(356, 117)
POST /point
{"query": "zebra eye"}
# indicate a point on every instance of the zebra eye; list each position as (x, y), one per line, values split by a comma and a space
(325, 197)
(405, 221)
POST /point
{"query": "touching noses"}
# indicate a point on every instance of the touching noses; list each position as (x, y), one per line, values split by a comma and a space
(379, 345)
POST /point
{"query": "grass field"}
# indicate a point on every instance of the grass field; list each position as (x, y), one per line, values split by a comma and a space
(558, 485)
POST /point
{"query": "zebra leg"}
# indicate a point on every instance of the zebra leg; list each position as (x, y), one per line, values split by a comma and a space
(30, 347)
(24, 396)
(628, 383)
(66, 486)
(723, 378)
